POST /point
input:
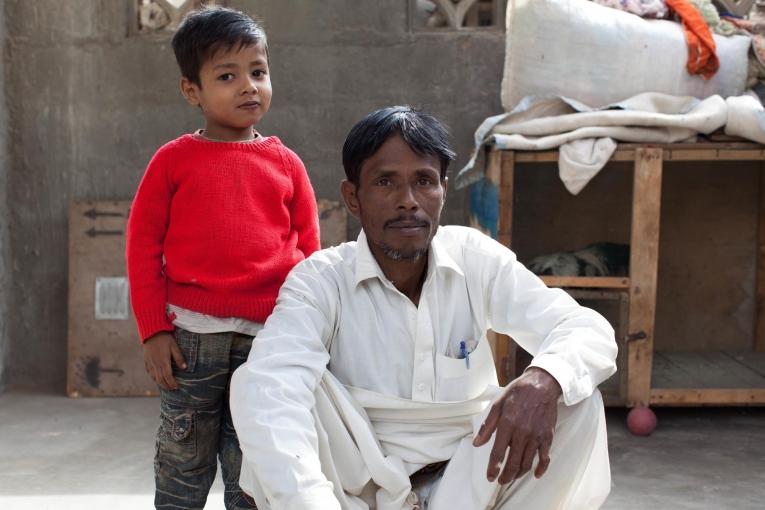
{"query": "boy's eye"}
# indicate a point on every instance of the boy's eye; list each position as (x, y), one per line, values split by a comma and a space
(258, 73)
(226, 77)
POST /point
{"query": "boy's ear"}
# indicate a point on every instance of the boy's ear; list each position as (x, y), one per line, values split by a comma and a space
(190, 91)
(351, 199)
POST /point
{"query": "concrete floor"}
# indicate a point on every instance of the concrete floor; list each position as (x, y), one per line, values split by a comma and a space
(65, 454)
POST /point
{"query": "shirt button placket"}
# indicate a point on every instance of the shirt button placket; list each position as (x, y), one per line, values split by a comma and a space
(423, 346)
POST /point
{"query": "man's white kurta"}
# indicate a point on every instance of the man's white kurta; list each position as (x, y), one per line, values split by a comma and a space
(338, 311)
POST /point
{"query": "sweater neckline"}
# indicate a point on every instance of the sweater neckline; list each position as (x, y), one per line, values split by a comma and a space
(259, 143)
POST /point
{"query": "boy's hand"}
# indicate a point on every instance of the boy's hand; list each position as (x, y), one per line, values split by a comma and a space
(157, 353)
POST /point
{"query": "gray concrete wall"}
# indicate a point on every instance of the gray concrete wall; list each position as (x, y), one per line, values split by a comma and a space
(4, 249)
(89, 104)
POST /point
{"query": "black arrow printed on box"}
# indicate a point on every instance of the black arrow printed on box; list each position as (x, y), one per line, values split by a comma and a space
(94, 213)
(92, 232)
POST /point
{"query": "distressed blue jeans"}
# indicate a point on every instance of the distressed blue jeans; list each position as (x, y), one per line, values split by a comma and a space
(195, 424)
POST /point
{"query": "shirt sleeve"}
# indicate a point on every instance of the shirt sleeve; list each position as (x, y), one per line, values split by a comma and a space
(272, 395)
(576, 345)
(303, 210)
(146, 230)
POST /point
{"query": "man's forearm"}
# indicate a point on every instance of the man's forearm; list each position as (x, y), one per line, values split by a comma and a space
(572, 343)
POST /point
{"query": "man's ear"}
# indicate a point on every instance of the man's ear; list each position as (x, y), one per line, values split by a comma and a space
(351, 199)
(190, 91)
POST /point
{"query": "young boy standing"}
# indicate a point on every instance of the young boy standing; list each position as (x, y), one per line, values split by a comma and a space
(219, 219)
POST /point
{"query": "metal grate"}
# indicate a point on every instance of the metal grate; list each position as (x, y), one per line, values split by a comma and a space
(452, 15)
(111, 298)
(165, 15)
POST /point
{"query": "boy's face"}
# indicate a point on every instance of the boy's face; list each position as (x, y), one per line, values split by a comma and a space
(398, 200)
(235, 92)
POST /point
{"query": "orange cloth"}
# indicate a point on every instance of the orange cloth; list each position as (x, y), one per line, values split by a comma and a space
(702, 56)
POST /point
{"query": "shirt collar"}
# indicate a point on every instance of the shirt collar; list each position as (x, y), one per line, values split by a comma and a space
(440, 257)
(367, 266)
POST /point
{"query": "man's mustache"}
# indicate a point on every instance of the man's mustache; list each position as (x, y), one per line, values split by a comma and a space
(406, 221)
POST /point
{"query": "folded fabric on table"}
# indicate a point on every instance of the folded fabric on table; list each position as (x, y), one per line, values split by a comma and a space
(585, 135)
(746, 117)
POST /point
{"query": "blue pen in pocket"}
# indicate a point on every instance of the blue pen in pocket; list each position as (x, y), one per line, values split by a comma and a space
(465, 354)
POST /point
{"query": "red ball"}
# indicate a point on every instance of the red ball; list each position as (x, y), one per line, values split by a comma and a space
(641, 421)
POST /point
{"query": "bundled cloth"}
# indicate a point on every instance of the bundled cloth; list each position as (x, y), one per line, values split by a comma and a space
(702, 51)
(587, 136)
(643, 8)
(755, 26)
(717, 24)
(658, 9)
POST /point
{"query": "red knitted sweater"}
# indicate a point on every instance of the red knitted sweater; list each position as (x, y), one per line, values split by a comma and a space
(215, 227)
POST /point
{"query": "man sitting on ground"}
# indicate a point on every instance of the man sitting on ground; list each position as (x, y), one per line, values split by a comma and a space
(372, 384)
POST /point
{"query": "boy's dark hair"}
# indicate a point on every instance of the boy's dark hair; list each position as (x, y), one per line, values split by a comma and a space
(205, 31)
(422, 132)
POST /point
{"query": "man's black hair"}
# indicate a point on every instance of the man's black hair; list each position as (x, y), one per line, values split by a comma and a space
(422, 132)
(204, 32)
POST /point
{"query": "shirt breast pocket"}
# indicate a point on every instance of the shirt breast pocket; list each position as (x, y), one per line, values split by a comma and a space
(459, 379)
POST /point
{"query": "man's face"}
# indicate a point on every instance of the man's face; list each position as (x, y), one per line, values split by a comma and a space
(398, 200)
(235, 92)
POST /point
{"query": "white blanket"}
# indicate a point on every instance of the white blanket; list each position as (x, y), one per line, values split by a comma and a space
(586, 136)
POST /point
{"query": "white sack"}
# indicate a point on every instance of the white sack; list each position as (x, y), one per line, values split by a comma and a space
(598, 55)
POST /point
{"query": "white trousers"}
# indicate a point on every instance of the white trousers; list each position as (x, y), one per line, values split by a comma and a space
(579, 475)
(368, 459)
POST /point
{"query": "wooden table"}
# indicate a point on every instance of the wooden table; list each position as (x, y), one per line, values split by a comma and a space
(642, 364)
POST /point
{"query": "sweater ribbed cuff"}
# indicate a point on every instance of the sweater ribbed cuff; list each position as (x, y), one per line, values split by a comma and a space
(151, 323)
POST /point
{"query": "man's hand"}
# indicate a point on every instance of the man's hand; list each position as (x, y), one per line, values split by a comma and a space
(524, 419)
(157, 353)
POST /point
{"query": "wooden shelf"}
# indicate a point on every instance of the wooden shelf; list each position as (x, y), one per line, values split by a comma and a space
(711, 151)
(587, 282)
(708, 378)
(645, 377)
(707, 397)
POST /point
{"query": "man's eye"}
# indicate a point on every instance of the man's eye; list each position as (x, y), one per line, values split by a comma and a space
(424, 181)
(384, 181)
(226, 77)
